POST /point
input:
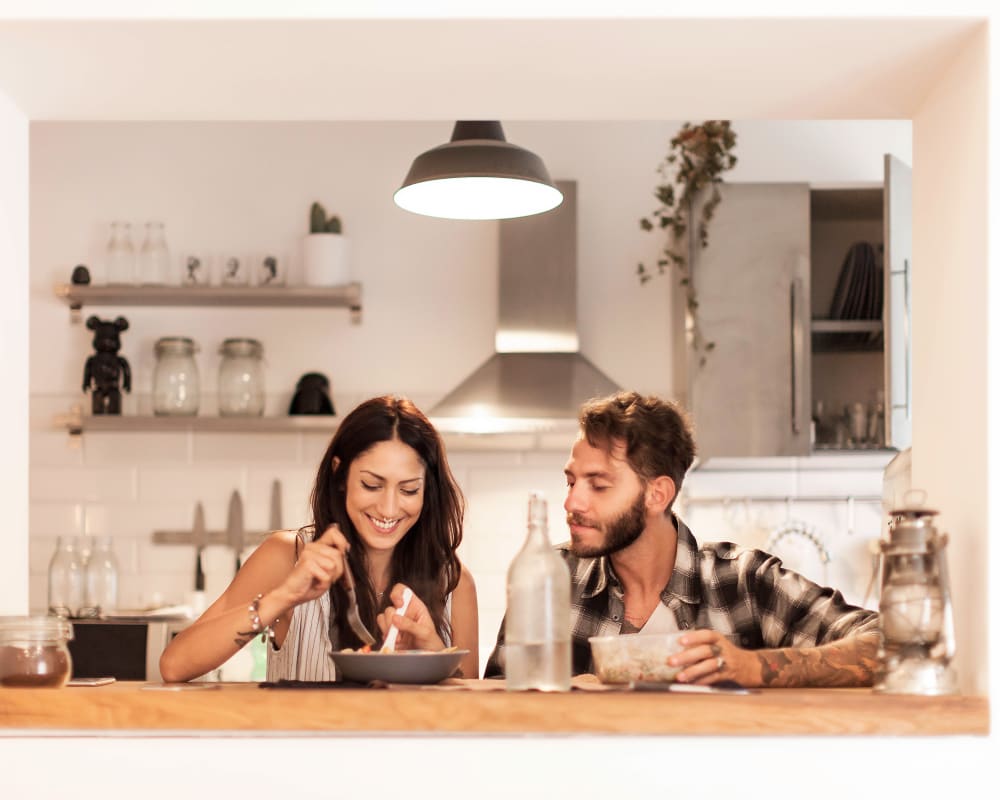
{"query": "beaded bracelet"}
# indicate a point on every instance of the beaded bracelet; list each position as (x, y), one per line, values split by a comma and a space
(266, 631)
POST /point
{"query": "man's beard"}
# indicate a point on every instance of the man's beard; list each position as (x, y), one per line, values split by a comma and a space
(618, 534)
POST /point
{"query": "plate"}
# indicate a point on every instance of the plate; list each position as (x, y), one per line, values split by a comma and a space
(400, 667)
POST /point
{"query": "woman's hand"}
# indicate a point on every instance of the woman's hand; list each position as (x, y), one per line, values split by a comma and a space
(320, 564)
(708, 657)
(416, 628)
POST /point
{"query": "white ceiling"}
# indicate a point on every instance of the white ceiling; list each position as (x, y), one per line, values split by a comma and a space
(476, 69)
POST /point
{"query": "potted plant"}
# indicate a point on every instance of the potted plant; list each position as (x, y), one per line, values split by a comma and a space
(699, 155)
(324, 250)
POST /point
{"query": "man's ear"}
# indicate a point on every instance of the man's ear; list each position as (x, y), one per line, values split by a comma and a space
(660, 492)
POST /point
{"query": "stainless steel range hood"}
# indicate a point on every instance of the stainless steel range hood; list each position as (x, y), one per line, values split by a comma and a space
(537, 378)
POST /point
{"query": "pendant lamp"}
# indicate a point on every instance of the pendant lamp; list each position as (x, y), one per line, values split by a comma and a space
(478, 175)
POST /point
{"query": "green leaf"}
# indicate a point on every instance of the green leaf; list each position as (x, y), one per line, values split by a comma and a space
(645, 224)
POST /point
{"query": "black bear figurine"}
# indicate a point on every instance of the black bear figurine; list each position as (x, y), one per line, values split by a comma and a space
(105, 367)
(312, 395)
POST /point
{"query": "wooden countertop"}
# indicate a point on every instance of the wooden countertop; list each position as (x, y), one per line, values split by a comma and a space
(476, 707)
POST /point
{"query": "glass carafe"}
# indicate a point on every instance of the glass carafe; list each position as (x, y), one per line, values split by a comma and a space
(154, 257)
(241, 378)
(120, 256)
(66, 577)
(100, 580)
(176, 383)
(537, 631)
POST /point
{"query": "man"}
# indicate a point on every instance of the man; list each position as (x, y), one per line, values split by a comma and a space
(636, 567)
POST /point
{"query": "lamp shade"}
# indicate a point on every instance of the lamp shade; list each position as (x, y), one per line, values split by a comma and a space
(478, 175)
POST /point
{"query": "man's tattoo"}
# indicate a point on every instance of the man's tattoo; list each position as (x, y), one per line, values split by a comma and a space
(850, 662)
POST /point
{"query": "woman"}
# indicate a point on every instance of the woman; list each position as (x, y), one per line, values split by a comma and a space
(385, 503)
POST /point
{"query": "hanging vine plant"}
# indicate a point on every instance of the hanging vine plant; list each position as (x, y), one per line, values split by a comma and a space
(698, 157)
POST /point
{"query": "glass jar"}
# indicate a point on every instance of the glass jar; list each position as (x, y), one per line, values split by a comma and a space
(33, 652)
(120, 256)
(66, 577)
(241, 378)
(176, 385)
(100, 580)
(154, 257)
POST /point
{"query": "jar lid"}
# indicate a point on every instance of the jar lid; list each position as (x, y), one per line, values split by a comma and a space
(174, 344)
(242, 347)
(35, 629)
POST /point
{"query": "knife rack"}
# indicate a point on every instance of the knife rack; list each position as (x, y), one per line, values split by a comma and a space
(211, 537)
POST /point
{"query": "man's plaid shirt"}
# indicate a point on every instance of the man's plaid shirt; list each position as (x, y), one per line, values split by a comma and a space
(744, 594)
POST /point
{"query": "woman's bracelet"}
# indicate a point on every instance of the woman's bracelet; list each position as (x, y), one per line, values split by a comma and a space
(266, 631)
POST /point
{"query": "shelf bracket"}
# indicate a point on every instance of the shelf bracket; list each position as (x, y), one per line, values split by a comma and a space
(73, 423)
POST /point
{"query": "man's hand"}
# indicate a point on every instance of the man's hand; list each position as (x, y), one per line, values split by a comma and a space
(708, 657)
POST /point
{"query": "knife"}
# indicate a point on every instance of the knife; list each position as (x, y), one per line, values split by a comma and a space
(234, 526)
(198, 539)
(275, 506)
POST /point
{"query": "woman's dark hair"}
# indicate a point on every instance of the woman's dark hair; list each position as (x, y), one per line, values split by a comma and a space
(425, 558)
(656, 433)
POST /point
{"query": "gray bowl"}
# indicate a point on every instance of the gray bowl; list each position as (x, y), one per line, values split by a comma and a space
(398, 667)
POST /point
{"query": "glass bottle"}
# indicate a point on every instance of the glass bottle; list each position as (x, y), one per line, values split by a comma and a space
(154, 257)
(101, 580)
(176, 384)
(66, 579)
(537, 633)
(120, 256)
(241, 378)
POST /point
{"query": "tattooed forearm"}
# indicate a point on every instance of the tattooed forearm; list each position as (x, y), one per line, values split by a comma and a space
(848, 662)
(243, 637)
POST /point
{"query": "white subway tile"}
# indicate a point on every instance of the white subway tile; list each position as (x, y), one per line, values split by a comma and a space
(470, 459)
(265, 448)
(312, 448)
(505, 442)
(57, 448)
(57, 519)
(840, 483)
(296, 486)
(85, 484)
(165, 559)
(104, 448)
(762, 483)
(212, 484)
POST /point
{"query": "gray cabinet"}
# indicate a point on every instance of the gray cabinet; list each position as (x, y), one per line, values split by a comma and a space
(786, 346)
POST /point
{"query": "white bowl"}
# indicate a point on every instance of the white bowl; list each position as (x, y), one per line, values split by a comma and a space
(635, 657)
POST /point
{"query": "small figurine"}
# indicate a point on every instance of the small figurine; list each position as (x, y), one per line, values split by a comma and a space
(312, 395)
(81, 275)
(105, 367)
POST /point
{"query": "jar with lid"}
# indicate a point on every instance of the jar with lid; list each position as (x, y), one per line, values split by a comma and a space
(241, 378)
(66, 577)
(154, 257)
(120, 256)
(33, 652)
(176, 385)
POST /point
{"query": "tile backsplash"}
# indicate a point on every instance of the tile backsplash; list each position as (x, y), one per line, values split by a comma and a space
(128, 485)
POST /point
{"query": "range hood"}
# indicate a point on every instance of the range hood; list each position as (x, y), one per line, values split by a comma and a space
(536, 379)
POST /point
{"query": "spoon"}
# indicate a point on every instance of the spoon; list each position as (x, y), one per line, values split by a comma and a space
(390, 638)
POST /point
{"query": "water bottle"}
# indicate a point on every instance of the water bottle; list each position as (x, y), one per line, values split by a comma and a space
(100, 580)
(66, 578)
(537, 640)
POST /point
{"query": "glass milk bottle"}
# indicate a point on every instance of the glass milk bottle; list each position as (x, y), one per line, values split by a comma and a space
(120, 256)
(154, 257)
(100, 580)
(537, 637)
(66, 578)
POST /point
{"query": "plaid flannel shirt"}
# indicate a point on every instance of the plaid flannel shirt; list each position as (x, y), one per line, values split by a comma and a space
(744, 594)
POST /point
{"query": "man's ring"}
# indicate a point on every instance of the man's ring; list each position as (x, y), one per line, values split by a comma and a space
(720, 662)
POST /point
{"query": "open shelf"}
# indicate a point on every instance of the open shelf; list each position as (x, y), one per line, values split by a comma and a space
(346, 296)
(77, 423)
(846, 335)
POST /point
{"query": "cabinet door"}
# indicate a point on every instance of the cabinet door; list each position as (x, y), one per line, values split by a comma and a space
(896, 309)
(752, 395)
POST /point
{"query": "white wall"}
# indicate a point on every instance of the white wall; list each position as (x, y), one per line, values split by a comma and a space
(14, 356)
(248, 186)
(950, 329)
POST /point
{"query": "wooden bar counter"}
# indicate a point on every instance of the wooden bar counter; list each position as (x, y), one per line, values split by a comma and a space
(477, 707)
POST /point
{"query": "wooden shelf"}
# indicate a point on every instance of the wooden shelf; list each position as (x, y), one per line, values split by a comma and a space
(346, 296)
(76, 423)
(846, 335)
(846, 326)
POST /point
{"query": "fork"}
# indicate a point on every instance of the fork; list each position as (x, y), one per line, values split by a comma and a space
(353, 618)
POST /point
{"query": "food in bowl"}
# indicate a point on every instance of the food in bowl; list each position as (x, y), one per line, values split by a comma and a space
(635, 657)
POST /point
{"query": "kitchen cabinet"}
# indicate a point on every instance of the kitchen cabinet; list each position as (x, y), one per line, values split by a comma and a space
(765, 287)
(76, 297)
